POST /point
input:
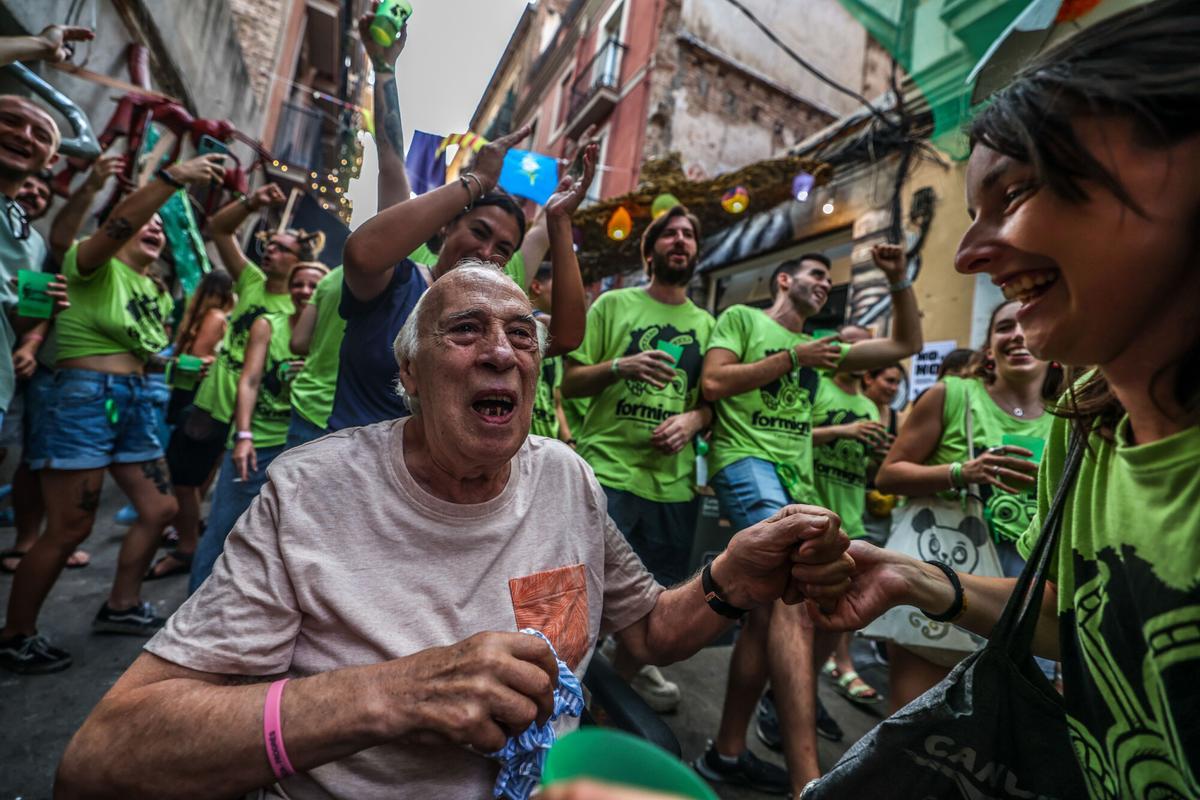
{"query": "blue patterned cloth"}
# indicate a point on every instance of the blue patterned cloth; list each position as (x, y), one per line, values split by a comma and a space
(522, 758)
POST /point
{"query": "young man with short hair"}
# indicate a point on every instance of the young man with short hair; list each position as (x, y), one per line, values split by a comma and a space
(762, 371)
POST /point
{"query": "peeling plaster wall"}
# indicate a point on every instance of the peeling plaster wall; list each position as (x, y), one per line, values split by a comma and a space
(821, 31)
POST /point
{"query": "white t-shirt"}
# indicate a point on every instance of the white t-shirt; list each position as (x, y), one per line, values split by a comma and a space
(344, 560)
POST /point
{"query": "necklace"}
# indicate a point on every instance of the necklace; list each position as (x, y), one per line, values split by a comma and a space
(1016, 411)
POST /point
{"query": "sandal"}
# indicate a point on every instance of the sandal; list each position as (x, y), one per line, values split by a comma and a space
(183, 566)
(15, 555)
(864, 693)
(830, 670)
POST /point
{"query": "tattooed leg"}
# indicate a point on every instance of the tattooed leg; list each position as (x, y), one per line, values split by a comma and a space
(68, 523)
(156, 473)
(148, 486)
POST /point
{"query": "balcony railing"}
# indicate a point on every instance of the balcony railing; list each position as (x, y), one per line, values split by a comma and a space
(601, 77)
(298, 138)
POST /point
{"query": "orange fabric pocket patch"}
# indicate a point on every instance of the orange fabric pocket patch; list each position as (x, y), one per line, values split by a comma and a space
(555, 602)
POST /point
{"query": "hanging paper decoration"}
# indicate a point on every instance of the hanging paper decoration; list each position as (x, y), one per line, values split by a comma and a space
(620, 225)
(662, 204)
(465, 140)
(736, 200)
(802, 184)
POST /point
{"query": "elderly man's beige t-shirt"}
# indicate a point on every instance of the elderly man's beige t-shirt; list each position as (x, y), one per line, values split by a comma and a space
(343, 560)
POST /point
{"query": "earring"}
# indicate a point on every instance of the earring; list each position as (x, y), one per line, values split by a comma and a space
(989, 364)
(1055, 365)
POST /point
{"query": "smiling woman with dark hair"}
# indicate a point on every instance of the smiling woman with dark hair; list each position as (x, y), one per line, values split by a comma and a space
(1004, 397)
(1084, 193)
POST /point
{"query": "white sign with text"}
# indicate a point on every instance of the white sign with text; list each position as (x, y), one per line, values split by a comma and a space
(923, 369)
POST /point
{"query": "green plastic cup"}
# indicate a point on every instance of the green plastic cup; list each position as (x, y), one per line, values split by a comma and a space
(185, 372)
(389, 20)
(673, 350)
(616, 757)
(33, 300)
(1034, 444)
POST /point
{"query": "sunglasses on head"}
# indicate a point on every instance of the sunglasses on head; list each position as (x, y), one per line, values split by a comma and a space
(274, 244)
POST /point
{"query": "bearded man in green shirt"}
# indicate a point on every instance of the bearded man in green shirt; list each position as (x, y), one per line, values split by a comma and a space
(640, 363)
(762, 372)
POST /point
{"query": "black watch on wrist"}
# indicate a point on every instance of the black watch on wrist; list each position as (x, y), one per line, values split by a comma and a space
(712, 596)
(169, 179)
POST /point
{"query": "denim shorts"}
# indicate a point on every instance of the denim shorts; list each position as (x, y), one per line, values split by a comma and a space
(749, 491)
(94, 419)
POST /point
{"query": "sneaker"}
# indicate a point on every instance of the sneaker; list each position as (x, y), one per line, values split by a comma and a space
(32, 655)
(659, 693)
(827, 726)
(746, 770)
(126, 515)
(766, 723)
(137, 621)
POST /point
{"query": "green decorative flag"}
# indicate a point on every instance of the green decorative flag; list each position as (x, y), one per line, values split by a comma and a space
(187, 246)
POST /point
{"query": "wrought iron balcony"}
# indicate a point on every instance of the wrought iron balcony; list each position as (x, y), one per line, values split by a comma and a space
(596, 89)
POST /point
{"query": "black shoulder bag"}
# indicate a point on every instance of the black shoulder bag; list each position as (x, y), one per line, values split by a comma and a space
(994, 728)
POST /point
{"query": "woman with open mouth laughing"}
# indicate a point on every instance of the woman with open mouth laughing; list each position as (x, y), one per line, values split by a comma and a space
(1084, 190)
(101, 417)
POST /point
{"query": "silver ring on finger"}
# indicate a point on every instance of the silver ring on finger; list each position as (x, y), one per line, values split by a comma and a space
(997, 450)
(996, 471)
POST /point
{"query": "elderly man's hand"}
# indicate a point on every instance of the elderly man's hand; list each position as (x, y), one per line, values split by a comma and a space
(799, 552)
(476, 693)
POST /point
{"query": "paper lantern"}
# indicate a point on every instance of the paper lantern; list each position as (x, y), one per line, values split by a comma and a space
(736, 200)
(802, 185)
(620, 225)
(662, 204)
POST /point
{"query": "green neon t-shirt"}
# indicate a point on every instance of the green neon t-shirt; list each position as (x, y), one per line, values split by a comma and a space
(313, 388)
(575, 410)
(773, 422)
(545, 420)
(840, 467)
(273, 408)
(615, 437)
(1127, 569)
(515, 268)
(1008, 514)
(113, 310)
(218, 391)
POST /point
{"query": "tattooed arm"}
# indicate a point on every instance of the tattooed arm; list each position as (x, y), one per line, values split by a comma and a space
(389, 129)
(127, 219)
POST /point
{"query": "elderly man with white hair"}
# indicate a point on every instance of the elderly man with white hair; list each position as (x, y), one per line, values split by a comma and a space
(386, 570)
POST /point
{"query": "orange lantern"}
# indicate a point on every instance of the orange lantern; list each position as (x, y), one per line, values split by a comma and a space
(620, 225)
(736, 200)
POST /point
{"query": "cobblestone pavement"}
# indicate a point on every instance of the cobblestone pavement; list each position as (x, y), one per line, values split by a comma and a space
(38, 714)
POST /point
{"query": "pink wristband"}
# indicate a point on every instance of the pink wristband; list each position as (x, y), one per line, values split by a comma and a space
(273, 732)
